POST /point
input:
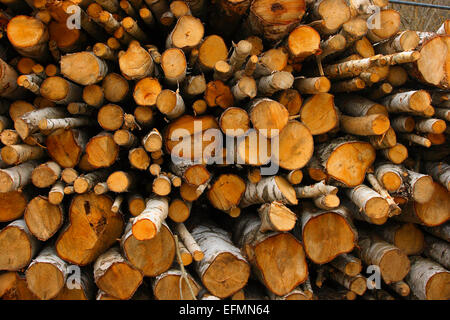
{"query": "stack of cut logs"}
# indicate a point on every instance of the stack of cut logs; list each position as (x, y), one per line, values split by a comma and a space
(97, 202)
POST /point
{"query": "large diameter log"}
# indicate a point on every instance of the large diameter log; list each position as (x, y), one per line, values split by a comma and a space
(83, 68)
(319, 114)
(65, 146)
(93, 229)
(28, 36)
(327, 233)
(432, 213)
(346, 160)
(223, 270)
(43, 218)
(114, 275)
(47, 274)
(393, 262)
(171, 286)
(405, 236)
(153, 256)
(13, 204)
(282, 247)
(18, 246)
(226, 192)
(135, 63)
(428, 280)
(101, 150)
(431, 68)
(187, 33)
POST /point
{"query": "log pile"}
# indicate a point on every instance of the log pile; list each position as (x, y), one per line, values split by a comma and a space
(264, 149)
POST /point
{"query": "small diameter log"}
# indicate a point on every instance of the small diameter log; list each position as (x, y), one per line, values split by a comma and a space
(139, 158)
(333, 44)
(101, 188)
(315, 190)
(152, 141)
(187, 33)
(60, 90)
(356, 284)
(189, 242)
(146, 91)
(152, 257)
(355, 84)
(125, 138)
(403, 124)
(29, 36)
(374, 124)
(440, 172)
(294, 176)
(239, 55)
(291, 99)
(437, 250)
(277, 81)
(115, 87)
(115, 275)
(226, 192)
(110, 117)
(393, 263)
(384, 141)
(281, 245)
(66, 146)
(13, 286)
(212, 49)
(174, 65)
(349, 69)
(358, 106)
(303, 42)
(102, 51)
(20, 153)
(83, 68)
(427, 279)
(56, 193)
(401, 288)
(405, 236)
(31, 82)
(312, 85)
(86, 182)
(389, 25)
(319, 114)
(136, 203)
(194, 85)
(147, 225)
(234, 122)
(18, 245)
(162, 184)
(179, 210)
(135, 63)
(327, 201)
(93, 95)
(47, 274)
(171, 286)
(170, 103)
(223, 270)
(101, 150)
(120, 181)
(276, 217)
(267, 190)
(222, 71)
(10, 137)
(431, 213)
(347, 264)
(85, 238)
(14, 178)
(435, 126)
(394, 209)
(326, 234)
(403, 41)
(46, 174)
(370, 202)
(13, 204)
(80, 108)
(268, 116)
(410, 101)
(132, 28)
(346, 160)
(28, 123)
